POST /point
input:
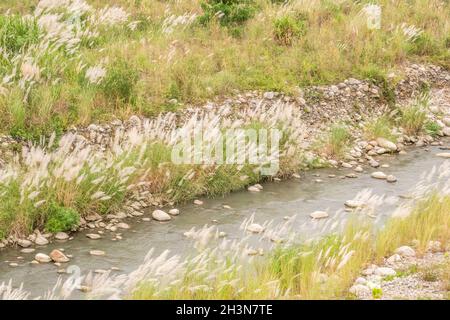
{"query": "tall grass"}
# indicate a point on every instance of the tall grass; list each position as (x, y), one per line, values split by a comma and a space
(336, 141)
(379, 128)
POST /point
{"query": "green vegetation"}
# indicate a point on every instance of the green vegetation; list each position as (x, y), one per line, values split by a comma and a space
(379, 128)
(413, 118)
(193, 50)
(336, 142)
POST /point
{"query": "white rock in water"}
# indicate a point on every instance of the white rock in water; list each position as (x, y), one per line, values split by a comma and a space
(93, 236)
(378, 175)
(384, 143)
(160, 215)
(97, 253)
(406, 251)
(42, 258)
(253, 189)
(444, 155)
(174, 212)
(255, 228)
(260, 187)
(58, 256)
(354, 204)
(122, 225)
(346, 165)
(374, 163)
(198, 202)
(318, 215)
(360, 290)
(61, 236)
(41, 240)
(24, 243)
(27, 250)
(385, 271)
(391, 178)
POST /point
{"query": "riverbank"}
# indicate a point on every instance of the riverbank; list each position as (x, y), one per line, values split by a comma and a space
(118, 170)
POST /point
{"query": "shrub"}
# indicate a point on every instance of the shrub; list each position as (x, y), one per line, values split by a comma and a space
(17, 33)
(61, 218)
(120, 81)
(229, 12)
(287, 29)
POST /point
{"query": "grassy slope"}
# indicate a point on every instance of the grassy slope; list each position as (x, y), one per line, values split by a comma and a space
(210, 60)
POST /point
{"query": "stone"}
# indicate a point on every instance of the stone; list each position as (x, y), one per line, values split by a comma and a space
(122, 225)
(253, 189)
(255, 228)
(93, 217)
(27, 250)
(385, 271)
(58, 256)
(434, 246)
(444, 155)
(378, 175)
(93, 236)
(13, 264)
(160, 215)
(24, 243)
(42, 258)
(354, 204)
(318, 215)
(174, 212)
(346, 165)
(390, 178)
(406, 251)
(97, 253)
(374, 163)
(386, 144)
(61, 236)
(198, 202)
(360, 290)
(41, 240)
(446, 131)
(394, 258)
(360, 280)
(359, 169)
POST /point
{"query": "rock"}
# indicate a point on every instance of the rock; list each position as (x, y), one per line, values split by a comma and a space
(406, 251)
(255, 228)
(122, 225)
(446, 131)
(346, 165)
(446, 121)
(61, 236)
(225, 206)
(444, 155)
(24, 243)
(97, 253)
(42, 258)
(253, 189)
(13, 264)
(359, 169)
(296, 176)
(318, 215)
(58, 256)
(160, 215)
(260, 187)
(391, 178)
(360, 290)
(174, 212)
(394, 258)
(378, 175)
(93, 217)
(385, 271)
(198, 202)
(93, 236)
(361, 280)
(27, 250)
(374, 164)
(434, 246)
(386, 144)
(354, 204)
(41, 240)
(351, 175)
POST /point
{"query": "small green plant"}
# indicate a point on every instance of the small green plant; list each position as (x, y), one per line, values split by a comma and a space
(377, 293)
(61, 218)
(379, 128)
(287, 29)
(337, 140)
(228, 12)
(120, 81)
(413, 118)
(430, 275)
(432, 128)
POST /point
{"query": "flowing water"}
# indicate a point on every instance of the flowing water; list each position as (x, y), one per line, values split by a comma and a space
(278, 199)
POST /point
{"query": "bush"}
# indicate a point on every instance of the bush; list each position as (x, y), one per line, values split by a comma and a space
(61, 218)
(120, 81)
(229, 12)
(17, 33)
(287, 29)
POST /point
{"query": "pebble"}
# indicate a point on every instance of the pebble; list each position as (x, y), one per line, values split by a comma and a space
(24, 243)
(122, 225)
(318, 215)
(378, 175)
(27, 250)
(359, 169)
(391, 178)
(61, 236)
(97, 253)
(255, 228)
(406, 251)
(354, 204)
(13, 264)
(41, 240)
(93, 236)
(42, 258)
(198, 202)
(386, 144)
(226, 207)
(58, 256)
(146, 219)
(160, 215)
(444, 155)
(385, 271)
(174, 212)
(374, 163)
(253, 189)
(346, 165)
(360, 290)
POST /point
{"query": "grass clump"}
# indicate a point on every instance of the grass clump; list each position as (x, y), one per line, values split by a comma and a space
(432, 128)
(379, 128)
(336, 142)
(17, 33)
(287, 29)
(61, 219)
(228, 12)
(414, 117)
